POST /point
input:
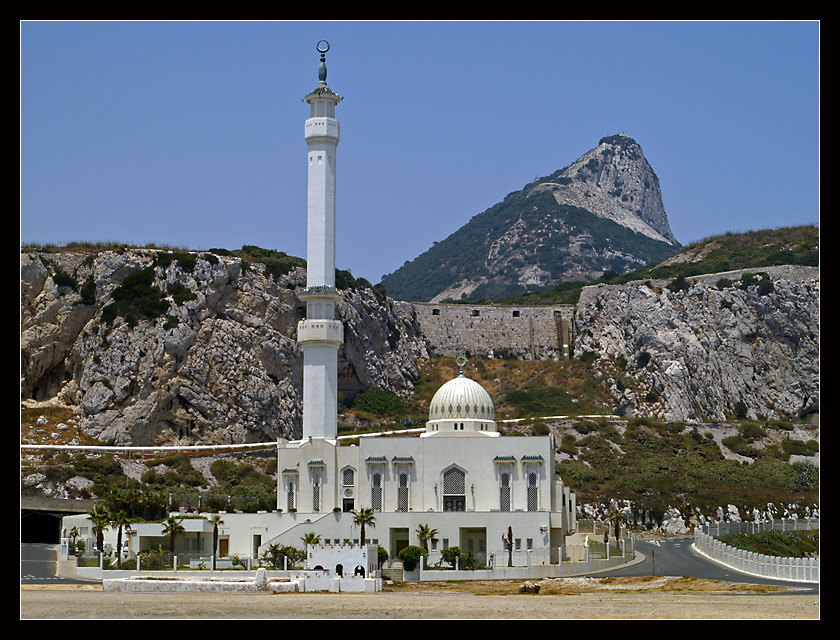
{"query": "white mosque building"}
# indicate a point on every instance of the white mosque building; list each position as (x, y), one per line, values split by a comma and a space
(459, 477)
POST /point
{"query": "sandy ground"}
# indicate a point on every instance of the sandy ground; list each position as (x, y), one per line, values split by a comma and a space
(576, 599)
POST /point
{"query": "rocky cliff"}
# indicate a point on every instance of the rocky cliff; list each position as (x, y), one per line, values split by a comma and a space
(200, 350)
(213, 359)
(743, 344)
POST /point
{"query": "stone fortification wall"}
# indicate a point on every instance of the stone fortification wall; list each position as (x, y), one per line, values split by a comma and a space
(528, 333)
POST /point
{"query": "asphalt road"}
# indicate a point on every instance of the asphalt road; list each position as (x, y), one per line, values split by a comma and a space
(38, 564)
(676, 557)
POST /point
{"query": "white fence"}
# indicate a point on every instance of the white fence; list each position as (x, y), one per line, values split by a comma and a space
(758, 564)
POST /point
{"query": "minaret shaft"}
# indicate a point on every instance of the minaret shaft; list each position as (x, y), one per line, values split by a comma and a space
(321, 335)
(320, 230)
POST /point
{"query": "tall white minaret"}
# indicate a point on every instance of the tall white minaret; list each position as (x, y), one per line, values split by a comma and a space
(320, 335)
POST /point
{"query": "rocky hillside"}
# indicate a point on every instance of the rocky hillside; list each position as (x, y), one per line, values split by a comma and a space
(709, 347)
(155, 347)
(604, 212)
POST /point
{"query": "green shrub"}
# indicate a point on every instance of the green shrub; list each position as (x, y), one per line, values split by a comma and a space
(541, 429)
(136, 298)
(450, 555)
(88, 292)
(793, 447)
(781, 544)
(535, 400)
(410, 556)
(378, 401)
(678, 284)
(276, 556)
(738, 444)
(63, 279)
(568, 445)
(180, 293)
(184, 259)
(752, 431)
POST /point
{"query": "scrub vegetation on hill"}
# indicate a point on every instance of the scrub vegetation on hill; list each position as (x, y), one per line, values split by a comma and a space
(715, 254)
(780, 544)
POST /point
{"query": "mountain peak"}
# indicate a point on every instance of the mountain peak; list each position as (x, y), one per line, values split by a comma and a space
(602, 212)
(615, 181)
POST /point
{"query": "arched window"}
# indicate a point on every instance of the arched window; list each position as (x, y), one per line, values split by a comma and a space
(454, 490)
(290, 494)
(348, 489)
(316, 490)
(533, 493)
(504, 492)
(402, 492)
(376, 492)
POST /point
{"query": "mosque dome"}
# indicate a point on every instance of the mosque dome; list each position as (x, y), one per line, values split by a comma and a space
(461, 399)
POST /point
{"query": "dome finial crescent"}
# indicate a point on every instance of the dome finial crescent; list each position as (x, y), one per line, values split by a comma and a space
(461, 362)
(323, 46)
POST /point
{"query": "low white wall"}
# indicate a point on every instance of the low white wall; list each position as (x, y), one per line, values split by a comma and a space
(757, 564)
(308, 581)
(169, 585)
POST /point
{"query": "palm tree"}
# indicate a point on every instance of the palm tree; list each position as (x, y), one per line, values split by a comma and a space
(131, 499)
(74, 533)
(119, 519)
(509, 545)
(152, 504)
(172, 526)
(617, 520)
(426, 533)
(311, 538)
(215, 520)
(364, 516)
(100, 519)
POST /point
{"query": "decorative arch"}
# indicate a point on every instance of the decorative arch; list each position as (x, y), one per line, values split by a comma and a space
(347, 476)
(453, 482)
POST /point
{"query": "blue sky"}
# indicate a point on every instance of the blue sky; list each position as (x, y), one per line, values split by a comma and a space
(190, 134)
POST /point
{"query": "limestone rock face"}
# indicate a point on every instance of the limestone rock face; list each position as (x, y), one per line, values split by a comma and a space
(219, 365)
(615, 181)
(724, 345)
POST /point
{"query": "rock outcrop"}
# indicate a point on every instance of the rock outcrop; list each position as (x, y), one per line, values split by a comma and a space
(214, 362)
(615, 181)
(742, 344)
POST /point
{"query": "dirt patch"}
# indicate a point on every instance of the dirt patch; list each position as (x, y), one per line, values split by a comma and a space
(563, 598)
(584, 585)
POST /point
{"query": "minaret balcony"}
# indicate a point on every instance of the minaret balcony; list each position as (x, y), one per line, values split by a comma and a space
(322, 128)
(321, 331)
(319, 291)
